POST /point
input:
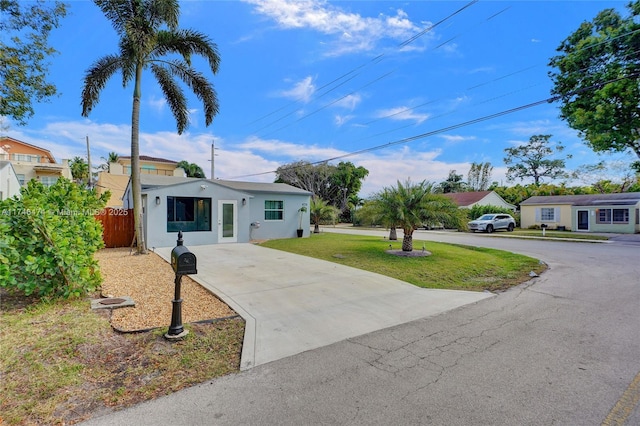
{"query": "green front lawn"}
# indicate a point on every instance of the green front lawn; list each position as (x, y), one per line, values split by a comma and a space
(449, 266)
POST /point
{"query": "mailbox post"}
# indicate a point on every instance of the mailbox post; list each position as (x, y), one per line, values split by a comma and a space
(183, 262)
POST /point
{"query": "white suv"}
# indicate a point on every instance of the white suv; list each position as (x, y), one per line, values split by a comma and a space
(492, 222)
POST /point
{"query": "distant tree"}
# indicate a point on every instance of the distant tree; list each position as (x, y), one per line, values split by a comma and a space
(150, 39)
(601, 176)
(112, 157)
(334, 184)
(454, 183)
(24, 50)
(479, 176)
(79, 170)
(347, 180)
(319, 211)
(532, 160)
(191, 169)
(598, 81)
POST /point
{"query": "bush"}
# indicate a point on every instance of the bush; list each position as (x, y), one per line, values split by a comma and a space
(48, 238)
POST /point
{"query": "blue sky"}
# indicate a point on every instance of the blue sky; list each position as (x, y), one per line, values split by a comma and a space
(314, 80)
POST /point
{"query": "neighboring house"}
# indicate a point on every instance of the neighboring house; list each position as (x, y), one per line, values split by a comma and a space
(32, 162)
(617, 213)
(116, 178)
(218, 211)
(467, 200)
(9, 184)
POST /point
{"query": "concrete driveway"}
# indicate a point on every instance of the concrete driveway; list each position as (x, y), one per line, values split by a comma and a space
(293, 303)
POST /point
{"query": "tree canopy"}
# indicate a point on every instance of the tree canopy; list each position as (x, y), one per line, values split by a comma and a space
(336, 185)
(479, 176)
(24, 47)
(533, 160)
(191, 169)
(453, 183)
(597, 78)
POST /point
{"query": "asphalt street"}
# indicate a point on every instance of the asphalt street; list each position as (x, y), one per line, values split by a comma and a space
(562, 349)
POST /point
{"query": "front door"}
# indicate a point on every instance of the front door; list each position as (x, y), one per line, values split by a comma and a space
(583, 220)
(227, 221)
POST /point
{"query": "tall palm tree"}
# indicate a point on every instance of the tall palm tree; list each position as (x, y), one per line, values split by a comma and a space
(149, 34)
(79, 170)
(408, 206)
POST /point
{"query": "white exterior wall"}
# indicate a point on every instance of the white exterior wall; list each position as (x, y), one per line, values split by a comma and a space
(251, 211)
(286, 228)
(493, 199)
(9, 184)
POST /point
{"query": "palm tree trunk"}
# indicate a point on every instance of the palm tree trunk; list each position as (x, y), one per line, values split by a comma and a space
(393, 234)
(316, 228)
(407, 243)
(136, 187)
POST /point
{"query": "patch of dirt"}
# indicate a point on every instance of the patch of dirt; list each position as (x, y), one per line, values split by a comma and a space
(414, 253)
(149, 281)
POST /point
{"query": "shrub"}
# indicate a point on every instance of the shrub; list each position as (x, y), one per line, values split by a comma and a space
(48, 238)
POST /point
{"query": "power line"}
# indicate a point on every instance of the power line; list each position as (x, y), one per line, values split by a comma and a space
(452, 127)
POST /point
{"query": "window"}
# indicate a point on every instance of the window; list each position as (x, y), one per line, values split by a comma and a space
(28, 158)
(188, 214)
(273, 210)
(20, 179)
(48, 180)
(613, 216)
(547, 214)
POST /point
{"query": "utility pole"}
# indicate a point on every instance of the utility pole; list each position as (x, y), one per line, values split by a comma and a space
(213, 154)
(90, 179)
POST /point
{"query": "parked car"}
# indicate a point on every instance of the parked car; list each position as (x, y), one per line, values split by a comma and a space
(492, 222)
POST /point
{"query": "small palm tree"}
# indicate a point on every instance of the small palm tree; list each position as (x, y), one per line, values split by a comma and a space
(408, 206)
(112, 157)
(320, 210)
(191, 169)
(149, 36)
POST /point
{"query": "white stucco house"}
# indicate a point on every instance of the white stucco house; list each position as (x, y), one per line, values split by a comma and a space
(218, 211)
(9, 183)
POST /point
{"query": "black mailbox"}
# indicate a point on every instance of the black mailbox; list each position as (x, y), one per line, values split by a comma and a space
(544, 225)
(183, 261)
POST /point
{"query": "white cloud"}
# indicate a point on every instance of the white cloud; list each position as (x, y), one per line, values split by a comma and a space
(456, 138)
(402, 113)
(341, 120)
(303, 90)
(349, 101)
(351, 32)
(157, 104)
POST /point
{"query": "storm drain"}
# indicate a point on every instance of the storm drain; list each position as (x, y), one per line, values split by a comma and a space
(112, 302)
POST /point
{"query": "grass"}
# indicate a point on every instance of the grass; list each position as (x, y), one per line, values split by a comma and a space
(61, 363)
(449, 266)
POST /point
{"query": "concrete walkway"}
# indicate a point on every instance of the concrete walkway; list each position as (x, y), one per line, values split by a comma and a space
(293, 303)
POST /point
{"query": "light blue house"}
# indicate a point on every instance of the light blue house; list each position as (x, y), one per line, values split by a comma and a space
(219, 211)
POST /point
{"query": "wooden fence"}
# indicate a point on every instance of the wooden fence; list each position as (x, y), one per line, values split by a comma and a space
(118, 228)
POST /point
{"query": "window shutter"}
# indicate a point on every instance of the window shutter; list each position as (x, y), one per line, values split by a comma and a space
(556, 214)
(538, 214)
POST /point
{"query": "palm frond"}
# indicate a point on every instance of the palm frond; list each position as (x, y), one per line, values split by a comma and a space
(162, 12)
(119, 12)
(187, 43)
(198, 83)
(173, 94)
(96, 78)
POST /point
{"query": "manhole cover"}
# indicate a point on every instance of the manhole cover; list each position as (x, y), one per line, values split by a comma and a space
(112, 301)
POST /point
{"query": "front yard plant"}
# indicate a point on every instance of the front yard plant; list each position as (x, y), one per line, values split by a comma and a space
(47, 239)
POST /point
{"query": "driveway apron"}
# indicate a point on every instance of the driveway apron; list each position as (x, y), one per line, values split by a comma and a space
(293, 303)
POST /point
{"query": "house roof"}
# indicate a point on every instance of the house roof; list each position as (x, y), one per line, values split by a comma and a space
(281, 188)
(154, 181)
(624, 198)
(11, 140)
(147, 158)
(463, 199)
